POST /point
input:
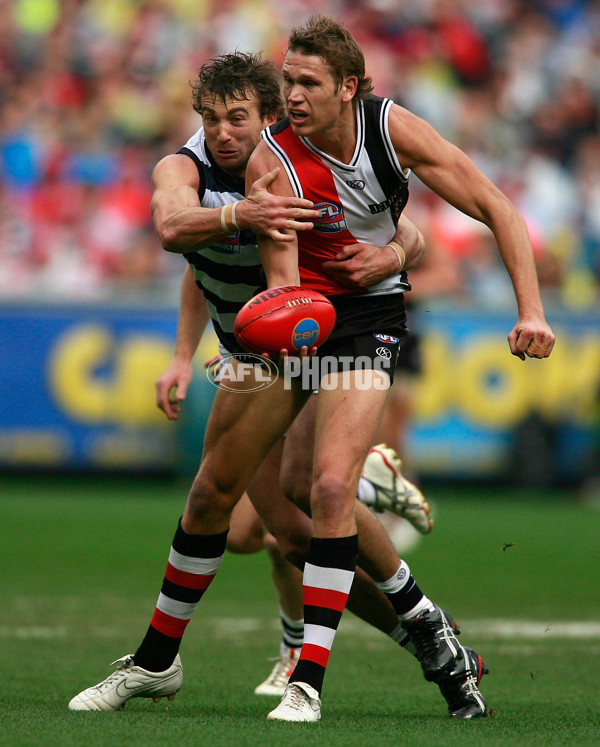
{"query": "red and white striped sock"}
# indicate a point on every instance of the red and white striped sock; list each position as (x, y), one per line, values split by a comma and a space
(328, 576)
(193, 563)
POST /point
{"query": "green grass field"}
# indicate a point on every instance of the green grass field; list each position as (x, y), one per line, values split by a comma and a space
(82, 565)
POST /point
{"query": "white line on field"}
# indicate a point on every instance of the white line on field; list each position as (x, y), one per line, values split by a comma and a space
(494, 629)
(32, 631)
(481, 629)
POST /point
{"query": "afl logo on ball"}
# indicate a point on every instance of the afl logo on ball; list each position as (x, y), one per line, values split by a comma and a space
(306, 333)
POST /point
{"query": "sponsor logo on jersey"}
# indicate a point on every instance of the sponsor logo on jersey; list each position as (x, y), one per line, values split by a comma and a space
(331, 219)
(384, 353)
(306, 333)
(387, 338)
(230, 245)
(395, 202)
(356, 184)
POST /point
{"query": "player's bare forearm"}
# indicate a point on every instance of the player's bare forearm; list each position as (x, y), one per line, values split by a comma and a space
(279, 248)
(193, 318)
(362, 265)
(183, 225)
(171, 387)
(280, 261)
(412, 242)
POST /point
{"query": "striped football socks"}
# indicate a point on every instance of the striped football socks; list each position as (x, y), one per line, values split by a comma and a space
(328, 576)
(293, 631)
(407, 599)
(193, 563)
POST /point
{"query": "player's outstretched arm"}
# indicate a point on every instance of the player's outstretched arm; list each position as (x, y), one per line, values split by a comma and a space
(450, 173)
(172, 385)
(183, 225)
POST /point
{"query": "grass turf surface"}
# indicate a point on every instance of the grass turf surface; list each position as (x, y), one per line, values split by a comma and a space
(83, 561)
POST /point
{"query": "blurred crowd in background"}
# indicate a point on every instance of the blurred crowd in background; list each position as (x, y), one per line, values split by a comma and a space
(94, 92)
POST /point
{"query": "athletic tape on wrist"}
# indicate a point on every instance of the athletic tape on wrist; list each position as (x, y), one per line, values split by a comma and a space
(228, 222)
(400, 253)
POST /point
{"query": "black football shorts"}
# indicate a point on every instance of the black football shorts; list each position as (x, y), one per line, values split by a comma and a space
(367, 336)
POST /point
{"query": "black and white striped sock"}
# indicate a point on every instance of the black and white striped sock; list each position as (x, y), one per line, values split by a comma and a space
(293, 631)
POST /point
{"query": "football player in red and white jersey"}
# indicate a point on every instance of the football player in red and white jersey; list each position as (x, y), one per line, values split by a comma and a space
(351, 154)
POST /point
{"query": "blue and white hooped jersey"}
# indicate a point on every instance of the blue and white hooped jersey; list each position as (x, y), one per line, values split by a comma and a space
(229, 273)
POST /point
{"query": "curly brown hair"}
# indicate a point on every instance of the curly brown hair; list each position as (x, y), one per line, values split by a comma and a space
(235, 76)
(325, 37)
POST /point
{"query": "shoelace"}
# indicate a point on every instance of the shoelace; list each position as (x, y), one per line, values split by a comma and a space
(424, 634)
(466, 693)
(461, 688)
(125, 663)
(455, 692)
(279, 675)
(407, 499)
(404, 497)
(296, 698)
(470, 685)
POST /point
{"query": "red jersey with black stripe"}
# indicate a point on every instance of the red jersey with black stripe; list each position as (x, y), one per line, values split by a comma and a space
(359, 201)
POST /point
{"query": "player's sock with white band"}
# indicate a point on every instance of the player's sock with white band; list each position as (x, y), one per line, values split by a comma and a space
(407, 599)
(193, 562)
(293, 631)
(328, 576)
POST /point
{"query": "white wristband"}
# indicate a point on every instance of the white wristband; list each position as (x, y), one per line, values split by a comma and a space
(233, 221)
(228, 222)
(400, 253)
(223, 223)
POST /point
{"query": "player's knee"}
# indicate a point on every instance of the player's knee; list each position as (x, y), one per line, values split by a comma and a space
(329, 487)
(244, 542)
(330, 500)
(208, 501)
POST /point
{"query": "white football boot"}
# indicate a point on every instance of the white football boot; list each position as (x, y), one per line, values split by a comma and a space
(129, 681)
(382, 468)
(282, 671)
(300, 702)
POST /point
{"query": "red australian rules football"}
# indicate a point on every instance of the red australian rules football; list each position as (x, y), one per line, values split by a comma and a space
(285, 317)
